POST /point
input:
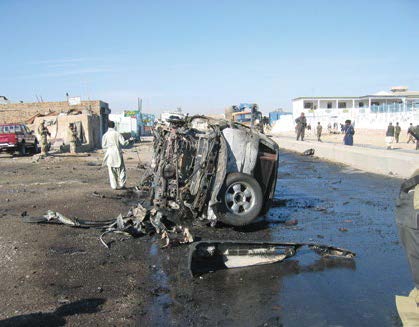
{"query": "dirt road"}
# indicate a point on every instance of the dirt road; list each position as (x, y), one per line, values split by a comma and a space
(55, 275)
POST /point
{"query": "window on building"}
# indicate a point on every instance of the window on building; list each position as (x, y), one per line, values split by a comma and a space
(361, 105)
(329, 105)
(341, 105)
(308, 105)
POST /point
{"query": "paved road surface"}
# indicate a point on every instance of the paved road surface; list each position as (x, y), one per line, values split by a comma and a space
(307, 290)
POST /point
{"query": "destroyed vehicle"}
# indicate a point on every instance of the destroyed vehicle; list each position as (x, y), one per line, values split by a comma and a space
(17, 137)
(210, 169)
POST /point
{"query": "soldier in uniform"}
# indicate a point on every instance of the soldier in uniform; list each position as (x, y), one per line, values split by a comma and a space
(72, 137)
(301, 126)
(319, 131)
(397, 131)
(409, 135)
(43, 133)
(407, 219)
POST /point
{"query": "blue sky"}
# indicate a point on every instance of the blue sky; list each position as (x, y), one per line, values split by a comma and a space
(205, 55)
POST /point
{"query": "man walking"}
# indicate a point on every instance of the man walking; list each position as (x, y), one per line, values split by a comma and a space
(112, 142)
(390, 136)
(349, 131)
(397, 131)
(43, 133)
(409, 134)
(301, 126)
(319, 131)
(413, 133)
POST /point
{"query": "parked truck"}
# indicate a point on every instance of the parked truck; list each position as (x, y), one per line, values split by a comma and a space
(17, 138)
(247, 114)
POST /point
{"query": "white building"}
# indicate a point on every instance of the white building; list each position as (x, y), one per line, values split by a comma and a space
(373, 111)
(125, 124)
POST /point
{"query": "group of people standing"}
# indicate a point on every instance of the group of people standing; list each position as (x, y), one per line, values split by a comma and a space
(301, 126)
(393, 134)
(72, 137)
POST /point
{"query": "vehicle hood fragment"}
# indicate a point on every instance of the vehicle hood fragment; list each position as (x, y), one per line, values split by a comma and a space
(209, 256)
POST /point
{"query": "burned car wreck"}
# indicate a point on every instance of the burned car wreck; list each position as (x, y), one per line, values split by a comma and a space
(211, 170)
(203, 170)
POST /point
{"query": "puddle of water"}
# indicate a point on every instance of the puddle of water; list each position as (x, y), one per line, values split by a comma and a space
(363, 204)
(160, 308)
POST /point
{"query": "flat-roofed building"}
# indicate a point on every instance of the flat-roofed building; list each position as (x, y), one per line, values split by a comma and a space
(25, 112)
(372, 111)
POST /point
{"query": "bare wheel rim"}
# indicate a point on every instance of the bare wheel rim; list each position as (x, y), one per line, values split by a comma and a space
(240, 198)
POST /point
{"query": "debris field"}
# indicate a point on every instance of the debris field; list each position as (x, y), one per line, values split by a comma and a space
(58, 273)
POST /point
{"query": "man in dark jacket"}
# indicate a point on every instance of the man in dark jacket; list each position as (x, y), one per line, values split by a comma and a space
(413, 133)
(397, 131)
(349, 131)
(301, 126)
(390, 136)
(410, 136)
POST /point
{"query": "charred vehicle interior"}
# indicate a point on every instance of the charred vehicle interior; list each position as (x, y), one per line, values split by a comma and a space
(213, 170)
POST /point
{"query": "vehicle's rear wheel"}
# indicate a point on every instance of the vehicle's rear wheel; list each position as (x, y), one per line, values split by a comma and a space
(22, 149)
(241, 198)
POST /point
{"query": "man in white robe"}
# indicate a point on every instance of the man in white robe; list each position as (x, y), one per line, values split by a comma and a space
(112, 143)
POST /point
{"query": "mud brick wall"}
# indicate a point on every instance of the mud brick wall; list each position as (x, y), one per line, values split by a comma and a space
(20, 112)
(59, 129)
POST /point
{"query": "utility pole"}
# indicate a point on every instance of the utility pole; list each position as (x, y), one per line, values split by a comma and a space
(140, 115)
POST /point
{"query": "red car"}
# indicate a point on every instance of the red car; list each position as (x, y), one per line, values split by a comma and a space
(17, 137)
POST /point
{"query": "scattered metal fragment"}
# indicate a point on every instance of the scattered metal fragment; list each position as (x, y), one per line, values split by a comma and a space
(103, 196)
(178, 235)
(208, 256)
(96, 194)
(309, 152)
(111, 231)
(137, 222)
(52, 215)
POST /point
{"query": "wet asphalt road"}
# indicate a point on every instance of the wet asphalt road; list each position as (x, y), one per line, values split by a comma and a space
(305, 290)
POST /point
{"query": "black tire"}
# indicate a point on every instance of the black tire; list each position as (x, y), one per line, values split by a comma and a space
(22, 149)
(241, 199)
(35, 148)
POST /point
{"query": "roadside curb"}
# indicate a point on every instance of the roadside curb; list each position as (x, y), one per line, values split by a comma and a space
(378, 161)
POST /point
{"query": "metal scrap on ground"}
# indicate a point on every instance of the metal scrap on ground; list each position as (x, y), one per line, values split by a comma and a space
(209, 256)
(309, 152)
(137, 222)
